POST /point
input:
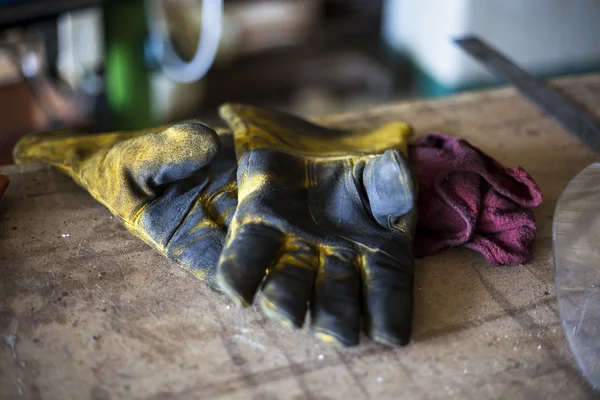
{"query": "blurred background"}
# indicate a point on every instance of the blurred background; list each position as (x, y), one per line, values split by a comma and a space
(128, 64)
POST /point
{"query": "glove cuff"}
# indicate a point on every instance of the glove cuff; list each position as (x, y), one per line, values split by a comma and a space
(256, 128)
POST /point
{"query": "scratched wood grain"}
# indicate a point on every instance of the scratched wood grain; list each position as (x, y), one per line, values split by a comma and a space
(92, 312)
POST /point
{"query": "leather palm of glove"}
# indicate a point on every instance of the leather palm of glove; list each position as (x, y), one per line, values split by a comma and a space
(324, 223)
(173, 187)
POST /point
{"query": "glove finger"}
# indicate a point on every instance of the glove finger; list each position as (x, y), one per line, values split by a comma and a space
(134, 172)
(289, 284)
(388, 298)
(170, 155)
(249, 250)
(335, 307)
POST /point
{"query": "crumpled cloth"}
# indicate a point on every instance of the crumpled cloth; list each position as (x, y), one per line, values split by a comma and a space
(466, 198)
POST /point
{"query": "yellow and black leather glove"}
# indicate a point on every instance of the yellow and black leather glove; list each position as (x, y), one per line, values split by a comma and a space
(174, 187)
(325, 221)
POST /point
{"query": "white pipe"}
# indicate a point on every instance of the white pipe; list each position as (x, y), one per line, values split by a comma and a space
(210, 33)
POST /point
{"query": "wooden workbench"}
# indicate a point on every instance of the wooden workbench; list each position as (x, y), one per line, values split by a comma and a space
(97, 314)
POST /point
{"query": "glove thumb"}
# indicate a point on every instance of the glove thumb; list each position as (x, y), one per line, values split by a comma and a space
(390, 186)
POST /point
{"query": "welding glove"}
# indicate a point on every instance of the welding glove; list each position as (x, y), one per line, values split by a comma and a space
(325, 222)
(173, 187)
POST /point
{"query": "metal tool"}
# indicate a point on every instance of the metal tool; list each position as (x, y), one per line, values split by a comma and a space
(576, 224)
(566, 113)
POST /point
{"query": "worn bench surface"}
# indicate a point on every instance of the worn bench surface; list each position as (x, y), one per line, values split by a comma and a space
(97, 314)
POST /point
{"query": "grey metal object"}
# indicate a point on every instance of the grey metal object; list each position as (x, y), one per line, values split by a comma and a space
(576, 248)
(576, 224)
(566, 113)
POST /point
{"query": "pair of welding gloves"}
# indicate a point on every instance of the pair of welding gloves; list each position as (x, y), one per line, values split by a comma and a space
(318, 221)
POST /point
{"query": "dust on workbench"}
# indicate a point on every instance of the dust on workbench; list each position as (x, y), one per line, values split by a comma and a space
(93, 312)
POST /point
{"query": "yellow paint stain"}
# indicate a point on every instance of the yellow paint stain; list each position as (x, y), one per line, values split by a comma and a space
(273, 313)
(251, 184)
(297, 253)
(253, 220)
(230, 293)
(407, 223)
(327, 338)
(200, 274)
(364, 269)
(205, 224)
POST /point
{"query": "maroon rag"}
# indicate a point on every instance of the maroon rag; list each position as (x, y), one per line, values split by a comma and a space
(467, 198)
